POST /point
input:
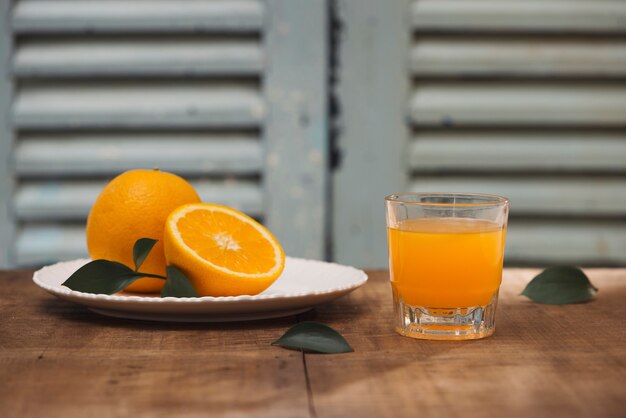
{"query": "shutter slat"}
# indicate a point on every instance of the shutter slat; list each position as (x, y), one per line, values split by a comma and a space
(566, 242)
(515, 151)
(111, 16)
(544, 16)
(527, 241)
(101, 154)
(137, 105)
(444, 57)
(64, 200)
(45, 244)
(584, 196)
(508, 104)
(167, 56)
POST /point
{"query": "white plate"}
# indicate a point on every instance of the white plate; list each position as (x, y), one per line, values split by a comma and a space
(303, 284)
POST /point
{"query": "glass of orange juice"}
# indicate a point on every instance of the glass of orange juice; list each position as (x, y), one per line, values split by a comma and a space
(445, 262)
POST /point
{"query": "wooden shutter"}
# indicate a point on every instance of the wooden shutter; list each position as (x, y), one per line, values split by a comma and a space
(100, 87)
(521, 98)
(526, 99)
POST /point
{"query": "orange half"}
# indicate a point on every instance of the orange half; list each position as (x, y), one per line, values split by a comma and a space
(221, 250)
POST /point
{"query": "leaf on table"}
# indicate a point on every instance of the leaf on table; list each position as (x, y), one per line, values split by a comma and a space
(178, 285)
(314, 337)
(102, 276)
(141, 249)
(559, 286)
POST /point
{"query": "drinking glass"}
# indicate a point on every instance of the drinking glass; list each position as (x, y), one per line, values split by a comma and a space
(445, 262)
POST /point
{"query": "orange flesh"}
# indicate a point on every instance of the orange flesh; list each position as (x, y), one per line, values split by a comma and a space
(446, 262)
(229, 243)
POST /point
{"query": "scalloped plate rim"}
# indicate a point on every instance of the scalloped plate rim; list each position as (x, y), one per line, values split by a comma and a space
(262, 303)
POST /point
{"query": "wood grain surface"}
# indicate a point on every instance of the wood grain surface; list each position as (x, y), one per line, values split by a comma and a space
(60, 360)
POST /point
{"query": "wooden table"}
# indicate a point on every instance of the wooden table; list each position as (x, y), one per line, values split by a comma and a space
(60, 360)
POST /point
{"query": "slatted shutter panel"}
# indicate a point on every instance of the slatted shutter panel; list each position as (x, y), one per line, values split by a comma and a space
(521, 98)
(101, 87)
(526, 99)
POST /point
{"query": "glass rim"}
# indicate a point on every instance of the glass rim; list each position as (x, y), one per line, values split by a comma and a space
(492, 199)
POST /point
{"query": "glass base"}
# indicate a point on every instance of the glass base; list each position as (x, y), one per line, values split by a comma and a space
(445, 323)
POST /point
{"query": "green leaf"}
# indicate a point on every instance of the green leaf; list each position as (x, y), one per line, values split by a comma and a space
(559, 286)
(314, 337)
(178, 285)
(141, 249)
(102, 276)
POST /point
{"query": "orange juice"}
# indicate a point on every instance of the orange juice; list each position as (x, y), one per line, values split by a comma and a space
(446, 262)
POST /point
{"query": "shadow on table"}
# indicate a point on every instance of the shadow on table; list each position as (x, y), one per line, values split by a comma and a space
(69, 311)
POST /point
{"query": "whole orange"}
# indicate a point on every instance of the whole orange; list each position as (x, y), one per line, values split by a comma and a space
(135, 205)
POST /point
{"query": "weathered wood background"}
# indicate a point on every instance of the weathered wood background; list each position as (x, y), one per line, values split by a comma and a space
(525, 99)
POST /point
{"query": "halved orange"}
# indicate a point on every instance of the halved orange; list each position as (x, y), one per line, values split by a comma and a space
(221, 250)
